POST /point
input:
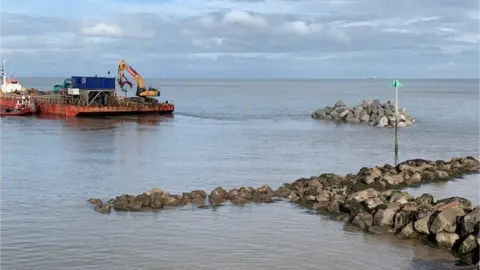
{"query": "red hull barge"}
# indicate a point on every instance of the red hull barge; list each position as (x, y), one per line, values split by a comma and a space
(75, 110)
(57, 104)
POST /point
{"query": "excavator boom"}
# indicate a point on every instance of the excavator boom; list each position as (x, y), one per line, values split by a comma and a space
(141, 91)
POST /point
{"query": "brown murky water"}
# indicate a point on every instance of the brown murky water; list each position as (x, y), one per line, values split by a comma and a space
(223, 134)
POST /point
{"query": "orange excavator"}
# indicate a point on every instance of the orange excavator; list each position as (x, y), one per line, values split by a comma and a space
(141, 90)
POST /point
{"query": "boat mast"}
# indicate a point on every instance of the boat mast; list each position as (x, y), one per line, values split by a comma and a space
(4, 77)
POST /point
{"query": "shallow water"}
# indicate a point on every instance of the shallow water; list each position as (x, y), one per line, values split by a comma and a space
(229, 134)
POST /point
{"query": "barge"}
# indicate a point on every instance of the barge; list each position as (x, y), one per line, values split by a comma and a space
(99, 103)
(93, 96)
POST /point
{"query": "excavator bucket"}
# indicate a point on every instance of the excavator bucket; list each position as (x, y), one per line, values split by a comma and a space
(122, 83)
(129, 83)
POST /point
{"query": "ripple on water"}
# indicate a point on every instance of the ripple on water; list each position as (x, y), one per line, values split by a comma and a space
(468, 187)
(224, 238)
(259, 135)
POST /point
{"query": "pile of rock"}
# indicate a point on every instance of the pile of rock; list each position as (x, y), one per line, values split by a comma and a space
(369, 199)
(448, 223)
(373, 113)
(384, 177)
(157, 199)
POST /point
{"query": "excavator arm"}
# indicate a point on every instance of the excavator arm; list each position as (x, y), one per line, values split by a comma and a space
(141, 91)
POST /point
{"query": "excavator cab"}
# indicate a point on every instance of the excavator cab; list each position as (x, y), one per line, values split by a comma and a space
(150, 92)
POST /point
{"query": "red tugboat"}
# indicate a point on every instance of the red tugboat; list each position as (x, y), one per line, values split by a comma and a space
(24, 107)
(11, 102)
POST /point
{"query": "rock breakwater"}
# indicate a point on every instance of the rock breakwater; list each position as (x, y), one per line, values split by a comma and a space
(374, 113)
(369, 199)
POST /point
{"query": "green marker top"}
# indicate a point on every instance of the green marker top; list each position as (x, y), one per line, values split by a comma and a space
(396, 83)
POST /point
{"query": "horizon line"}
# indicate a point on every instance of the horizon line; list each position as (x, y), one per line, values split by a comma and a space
(274, 78)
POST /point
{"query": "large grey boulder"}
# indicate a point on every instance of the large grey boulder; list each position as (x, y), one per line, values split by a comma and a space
(373, 113)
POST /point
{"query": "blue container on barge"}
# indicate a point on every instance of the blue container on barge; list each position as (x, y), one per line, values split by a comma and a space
(93, 83)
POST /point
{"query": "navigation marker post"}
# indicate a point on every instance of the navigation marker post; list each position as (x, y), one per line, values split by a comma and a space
(396, 84)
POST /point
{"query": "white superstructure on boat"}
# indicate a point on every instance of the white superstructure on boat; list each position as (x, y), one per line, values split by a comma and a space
(9, 85)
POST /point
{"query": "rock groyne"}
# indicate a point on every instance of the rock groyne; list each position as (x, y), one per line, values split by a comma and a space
(369, 199)
(374, 113)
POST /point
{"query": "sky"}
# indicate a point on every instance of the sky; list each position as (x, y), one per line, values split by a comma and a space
(242, 38)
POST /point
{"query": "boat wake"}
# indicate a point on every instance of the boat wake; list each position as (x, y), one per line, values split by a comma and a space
(242, 117)
(211, 117)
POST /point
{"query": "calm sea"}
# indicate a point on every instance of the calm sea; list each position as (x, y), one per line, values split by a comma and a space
(227, 133)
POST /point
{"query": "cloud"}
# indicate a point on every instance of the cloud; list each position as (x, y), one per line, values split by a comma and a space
(224, 38)
(244, 18)
(103, 29)
(298, 27)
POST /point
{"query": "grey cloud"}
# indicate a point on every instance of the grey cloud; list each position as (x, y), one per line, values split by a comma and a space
(28, 25)
(349, 36)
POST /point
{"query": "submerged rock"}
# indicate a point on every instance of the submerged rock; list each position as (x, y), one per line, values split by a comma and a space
(363, 220)
(408, 232)
(99, 206)
(218, 196)
(446, 240)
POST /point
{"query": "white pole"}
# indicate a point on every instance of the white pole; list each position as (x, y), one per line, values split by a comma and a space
(396, 125)
(396, 100)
